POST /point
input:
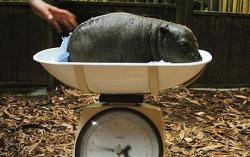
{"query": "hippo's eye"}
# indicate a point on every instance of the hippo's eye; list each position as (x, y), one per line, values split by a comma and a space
(184, 47)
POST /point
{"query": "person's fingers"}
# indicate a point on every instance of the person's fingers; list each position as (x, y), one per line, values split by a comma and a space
(43, 13)
(41, 9)
(56, 25)
(55, 16)
(67, 23)
(73, 22)
(64, 14)
(48, 15)
(50, 20)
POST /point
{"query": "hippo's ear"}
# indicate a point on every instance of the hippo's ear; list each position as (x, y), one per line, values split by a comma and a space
(165, 31)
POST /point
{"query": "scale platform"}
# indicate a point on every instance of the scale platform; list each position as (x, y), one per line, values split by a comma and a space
(120, 125)
(119, 78)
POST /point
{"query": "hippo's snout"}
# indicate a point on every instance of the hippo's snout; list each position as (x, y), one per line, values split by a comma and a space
(196, 56)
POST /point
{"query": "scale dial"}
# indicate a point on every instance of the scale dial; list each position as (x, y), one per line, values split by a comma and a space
(119, 132)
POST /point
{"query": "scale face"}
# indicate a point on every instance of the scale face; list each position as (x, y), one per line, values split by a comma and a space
(119, 132)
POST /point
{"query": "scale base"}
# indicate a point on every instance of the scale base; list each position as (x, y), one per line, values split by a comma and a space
(153, 113)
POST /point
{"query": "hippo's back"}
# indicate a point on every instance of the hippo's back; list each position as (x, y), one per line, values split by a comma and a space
(109, 37)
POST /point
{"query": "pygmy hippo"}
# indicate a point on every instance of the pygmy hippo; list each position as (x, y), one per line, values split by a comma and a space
(125, 37)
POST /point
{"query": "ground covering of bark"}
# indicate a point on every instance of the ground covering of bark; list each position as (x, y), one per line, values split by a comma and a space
(197, 123)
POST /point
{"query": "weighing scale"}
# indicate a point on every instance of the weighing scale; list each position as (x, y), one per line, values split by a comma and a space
(120, 125)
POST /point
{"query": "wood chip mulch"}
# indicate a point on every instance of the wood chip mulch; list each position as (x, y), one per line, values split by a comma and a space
(197, 122)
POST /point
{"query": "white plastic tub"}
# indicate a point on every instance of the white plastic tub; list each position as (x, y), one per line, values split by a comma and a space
(119, 78)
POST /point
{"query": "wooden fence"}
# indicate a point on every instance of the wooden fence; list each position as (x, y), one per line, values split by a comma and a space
(234, 6)
(226, 36)
(22, 34)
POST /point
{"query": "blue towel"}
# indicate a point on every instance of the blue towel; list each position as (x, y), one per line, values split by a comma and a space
(63, 50)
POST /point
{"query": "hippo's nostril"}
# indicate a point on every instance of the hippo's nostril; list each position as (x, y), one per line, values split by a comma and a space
(197, 57)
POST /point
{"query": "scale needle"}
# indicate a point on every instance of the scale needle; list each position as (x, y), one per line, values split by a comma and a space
(125, 151)
(106, 148)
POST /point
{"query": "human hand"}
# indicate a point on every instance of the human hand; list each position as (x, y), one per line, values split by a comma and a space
(56, 16)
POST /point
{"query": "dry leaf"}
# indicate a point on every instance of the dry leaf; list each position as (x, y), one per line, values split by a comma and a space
(241, 96)
(32, 147)
(61, 98)
(175, 149)
(188, 139)
(234, 110)
(200, 135)
(193, 101)
(228, 101)
(210, 147)
(199, 119)
(181, 135)
(200, 113)
(49, 148)
(210, 117)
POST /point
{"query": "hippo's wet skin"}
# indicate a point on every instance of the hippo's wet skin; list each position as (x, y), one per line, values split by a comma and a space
(124, 37)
